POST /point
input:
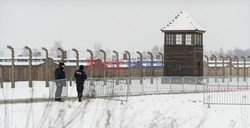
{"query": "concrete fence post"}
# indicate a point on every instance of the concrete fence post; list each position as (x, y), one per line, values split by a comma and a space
(141, 66)
(12, 66)
(162, 60)
(223, 66)
(216, 72)
(129, 65)
(152, 67)
(104, 66)
(91, 62)
(61, 50)
(244, 59)
(46, 67)
(162, 64)
(30, 65)
(77, 65)
(117, 65)
(77, 57)
(230, 67)
(207, 60)
(237, 59)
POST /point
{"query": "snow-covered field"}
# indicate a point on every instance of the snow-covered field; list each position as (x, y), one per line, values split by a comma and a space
(154, 111)
(151, 111)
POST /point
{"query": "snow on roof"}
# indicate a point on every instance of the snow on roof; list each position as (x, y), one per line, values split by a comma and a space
(22, 58)
(183, 21)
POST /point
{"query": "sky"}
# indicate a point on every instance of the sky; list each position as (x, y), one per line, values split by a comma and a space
(132, 25)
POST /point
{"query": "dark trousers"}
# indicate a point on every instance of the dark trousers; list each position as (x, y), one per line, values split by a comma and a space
(59, 86)
(79, 88)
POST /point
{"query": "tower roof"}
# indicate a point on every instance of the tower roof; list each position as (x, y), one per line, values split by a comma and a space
(183, 21)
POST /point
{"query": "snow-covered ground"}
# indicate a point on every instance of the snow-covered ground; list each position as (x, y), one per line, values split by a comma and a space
(154, 111)
(151, 111)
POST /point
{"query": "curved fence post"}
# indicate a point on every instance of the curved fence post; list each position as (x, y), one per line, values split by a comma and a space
(61, 50)
(237, 59)
(207, 61)
(244, 59)
(12, 66)
(117, 65)
(77, 65)
(30, 65)
(230, 67)
(129, 65)
(46, 67)
(223, 66)
(216, 72)
(104, 67)
(91, 62)
(141, 66)
(152, 67)
(162, 60)
(77, 57)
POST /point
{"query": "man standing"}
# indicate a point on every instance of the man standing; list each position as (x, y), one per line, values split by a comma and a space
(60, 81)
(80, 77)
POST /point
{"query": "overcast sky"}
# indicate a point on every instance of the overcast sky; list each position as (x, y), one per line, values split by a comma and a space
(119, 24)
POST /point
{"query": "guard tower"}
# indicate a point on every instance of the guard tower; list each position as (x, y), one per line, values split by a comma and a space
(183, 47)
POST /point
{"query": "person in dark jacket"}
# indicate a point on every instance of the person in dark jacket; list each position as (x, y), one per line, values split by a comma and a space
(60, 81)
(80, 77)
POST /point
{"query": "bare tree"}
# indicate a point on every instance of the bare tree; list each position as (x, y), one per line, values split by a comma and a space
(97, 47)
(221, 51)
(144, 54)
(36, 53)
(108, 53)
(54, 51)
(25, 52)
(155, 50)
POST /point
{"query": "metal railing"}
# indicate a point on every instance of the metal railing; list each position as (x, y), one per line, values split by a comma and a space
(106, 88)
(165, 85)
(217, 90)
(227, 91)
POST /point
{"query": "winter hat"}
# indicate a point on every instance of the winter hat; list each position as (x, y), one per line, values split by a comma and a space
(61, 64)
(81, 67)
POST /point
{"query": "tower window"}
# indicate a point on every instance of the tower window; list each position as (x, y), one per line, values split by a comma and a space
(170, 38)
(188, 39)
(198, 39)
(178, 39)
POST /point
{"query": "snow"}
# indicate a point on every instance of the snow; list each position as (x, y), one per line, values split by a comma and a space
(154, 111)
(157, 111)
(183, 21)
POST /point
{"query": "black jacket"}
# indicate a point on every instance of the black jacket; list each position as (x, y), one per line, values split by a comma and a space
(60, 73)
(80, 75)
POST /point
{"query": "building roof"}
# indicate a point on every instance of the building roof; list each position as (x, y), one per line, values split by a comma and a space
(183, 21)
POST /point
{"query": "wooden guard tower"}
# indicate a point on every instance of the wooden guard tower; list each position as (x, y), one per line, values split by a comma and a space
(183, 47)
